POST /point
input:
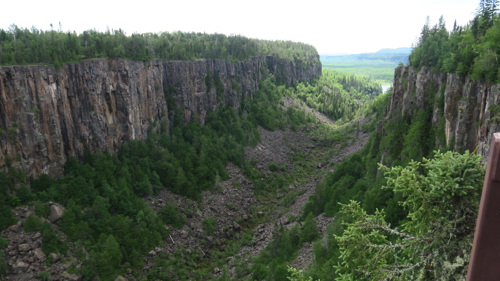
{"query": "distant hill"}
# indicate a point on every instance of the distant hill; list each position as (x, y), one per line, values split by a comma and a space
(395, 51)
(334, 54)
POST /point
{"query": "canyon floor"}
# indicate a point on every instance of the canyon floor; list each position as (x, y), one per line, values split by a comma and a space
(237, 211)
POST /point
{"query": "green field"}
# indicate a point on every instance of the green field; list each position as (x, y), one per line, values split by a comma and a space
(379, 66)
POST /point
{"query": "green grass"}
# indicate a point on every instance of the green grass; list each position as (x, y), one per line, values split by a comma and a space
(382, 71)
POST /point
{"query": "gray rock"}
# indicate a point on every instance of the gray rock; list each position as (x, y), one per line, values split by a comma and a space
(120, 278)
(37, 244)
(236, 226)
(55, 257)
(24, 247)
(71, 277)
(56, 212)
(118, 80)
(16, 227)
(20, 267)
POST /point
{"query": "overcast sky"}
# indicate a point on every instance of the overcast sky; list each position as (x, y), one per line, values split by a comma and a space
(332, 26)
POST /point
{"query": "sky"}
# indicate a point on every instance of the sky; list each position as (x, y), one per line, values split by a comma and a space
(332, 26)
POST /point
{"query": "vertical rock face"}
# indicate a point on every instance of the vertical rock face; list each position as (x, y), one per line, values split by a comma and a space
(469, 123)
(47, 115)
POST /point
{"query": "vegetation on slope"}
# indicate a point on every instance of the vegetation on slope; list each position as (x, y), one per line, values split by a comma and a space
(470, 50)
(34, 46)
(338, 95)
(107, 224)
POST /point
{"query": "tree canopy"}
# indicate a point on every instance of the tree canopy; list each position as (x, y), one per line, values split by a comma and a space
(466, 50)
(34, 46)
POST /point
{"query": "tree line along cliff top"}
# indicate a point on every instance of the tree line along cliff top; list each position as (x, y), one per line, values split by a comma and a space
(20, 46)
(470, 50)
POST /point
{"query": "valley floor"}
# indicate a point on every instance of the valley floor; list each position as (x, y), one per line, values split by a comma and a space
(238, 214)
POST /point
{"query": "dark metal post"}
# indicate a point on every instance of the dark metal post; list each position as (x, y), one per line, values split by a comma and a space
(484, 262)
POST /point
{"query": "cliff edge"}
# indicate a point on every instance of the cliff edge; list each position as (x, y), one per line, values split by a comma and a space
(466, 109)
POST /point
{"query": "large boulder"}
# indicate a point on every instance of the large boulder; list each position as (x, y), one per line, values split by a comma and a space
(40, 255)
(24, 247)
(54, 257)
(20, 267)
(56, 212)
(71, 277)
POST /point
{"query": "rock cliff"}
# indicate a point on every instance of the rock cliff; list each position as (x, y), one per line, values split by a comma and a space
(467, 106)
(47, 115)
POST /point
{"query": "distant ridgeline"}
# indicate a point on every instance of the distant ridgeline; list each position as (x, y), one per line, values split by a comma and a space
(33, 46)
(472, 50)
(392, 55)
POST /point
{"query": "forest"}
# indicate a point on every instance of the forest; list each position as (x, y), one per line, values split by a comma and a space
(102, 192)
(21, 46)
(404, 206)
(470, 50)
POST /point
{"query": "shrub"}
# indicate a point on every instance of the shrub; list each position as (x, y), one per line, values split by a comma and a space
(3, 243)
(32, 223)
(24, 194)
(170, 214)
(42, 210)
(3, 263)
(273, 167)
(44, 275)
(209, 225)
(309, 230)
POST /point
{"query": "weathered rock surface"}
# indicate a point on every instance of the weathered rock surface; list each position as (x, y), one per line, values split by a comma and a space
(47, 115)
(56, 213)
(469, 123)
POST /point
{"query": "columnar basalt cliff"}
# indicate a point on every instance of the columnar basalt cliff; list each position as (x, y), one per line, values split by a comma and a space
(47, 115)
(465, 104)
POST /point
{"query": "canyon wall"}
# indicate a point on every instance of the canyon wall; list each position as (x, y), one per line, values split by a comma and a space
(467, 106)
(47, 115)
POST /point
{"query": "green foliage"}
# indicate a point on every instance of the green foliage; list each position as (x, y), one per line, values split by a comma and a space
(441, 196)
(209, 225)
(7, 218)
(466, 50)
(377, 66)
(24, 194)
(14, 201)
(109, 257)
(170, 214)
(50, 241)
(3, 263)
(32, 223)
(41, 209)
(337, 94)
(3, 243)
(297, 275)
(44, 275)
(34, 46)
(273, 167)
(308, 231)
